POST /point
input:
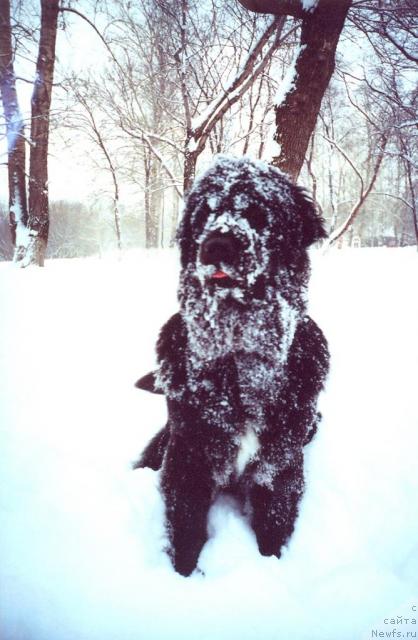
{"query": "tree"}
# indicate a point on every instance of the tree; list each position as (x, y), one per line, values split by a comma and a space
(388, 30)
(199, 129)
(184, 82)
(29, 216)
(15, 130)
(364, 189)
(308, 78)
(171, 84)
(87, 121)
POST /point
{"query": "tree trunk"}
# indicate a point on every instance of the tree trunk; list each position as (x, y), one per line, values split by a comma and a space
(297, 114)
(151, 202)
(116, 216)
(190, 159)
(410, 183)
(38, 221)
(147, 200)
(18, 213)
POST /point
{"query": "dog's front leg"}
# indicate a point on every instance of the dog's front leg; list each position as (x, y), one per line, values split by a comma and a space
(199, 461)
(188, 488)
(274, 498)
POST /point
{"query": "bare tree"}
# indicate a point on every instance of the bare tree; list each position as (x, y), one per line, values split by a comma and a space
(16, 149)
(199, 128)
(38, 218)
(30, 224)
(364, 188)
(172, 79)
(188, 80)
(87, 120)
(203, 86)
(298, 108)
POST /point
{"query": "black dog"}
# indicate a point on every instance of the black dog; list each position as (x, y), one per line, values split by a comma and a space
(242, 364)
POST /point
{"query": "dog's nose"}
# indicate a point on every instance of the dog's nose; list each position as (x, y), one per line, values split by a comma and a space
(217, 249)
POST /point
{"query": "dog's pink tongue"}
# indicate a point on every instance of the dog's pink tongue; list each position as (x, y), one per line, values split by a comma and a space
(220, 274)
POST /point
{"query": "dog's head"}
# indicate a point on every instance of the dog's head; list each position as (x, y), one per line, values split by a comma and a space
(245, 223)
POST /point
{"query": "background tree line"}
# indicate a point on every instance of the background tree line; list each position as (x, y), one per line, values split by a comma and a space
(181, 81)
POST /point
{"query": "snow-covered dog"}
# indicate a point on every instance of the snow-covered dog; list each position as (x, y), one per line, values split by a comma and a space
(241, 364)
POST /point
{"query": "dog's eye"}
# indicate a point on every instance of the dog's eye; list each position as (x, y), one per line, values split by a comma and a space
(256, 218)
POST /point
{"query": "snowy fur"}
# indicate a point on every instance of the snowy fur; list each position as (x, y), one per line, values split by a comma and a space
(241, 364)
(248, 448)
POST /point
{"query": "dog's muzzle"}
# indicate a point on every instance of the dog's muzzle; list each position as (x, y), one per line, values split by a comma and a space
(221, 251)
(220, 248)
(231, 255)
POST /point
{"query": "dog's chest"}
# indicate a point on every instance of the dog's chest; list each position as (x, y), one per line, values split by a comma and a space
(257, 383)
(248, 446)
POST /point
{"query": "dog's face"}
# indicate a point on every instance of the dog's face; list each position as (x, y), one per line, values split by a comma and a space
(244, 224)
(243, 241)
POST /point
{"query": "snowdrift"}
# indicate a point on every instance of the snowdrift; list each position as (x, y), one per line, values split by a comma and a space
(82, 535)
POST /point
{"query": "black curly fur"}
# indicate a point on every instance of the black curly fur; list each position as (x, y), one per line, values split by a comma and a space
(241, 357)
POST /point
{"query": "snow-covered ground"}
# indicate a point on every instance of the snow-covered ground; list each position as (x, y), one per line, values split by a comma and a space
(82, 535)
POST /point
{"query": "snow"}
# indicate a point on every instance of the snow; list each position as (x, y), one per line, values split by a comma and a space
(192, 145)
(82, 535)
(289, 81)
(249, 445)
(15, 126)
(309, 5)
(273, 148)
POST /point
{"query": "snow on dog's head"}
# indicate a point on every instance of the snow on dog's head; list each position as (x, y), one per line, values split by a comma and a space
(243, 241)
(243, 221)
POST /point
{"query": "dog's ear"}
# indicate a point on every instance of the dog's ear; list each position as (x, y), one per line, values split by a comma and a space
(312, 225)
(183, 237)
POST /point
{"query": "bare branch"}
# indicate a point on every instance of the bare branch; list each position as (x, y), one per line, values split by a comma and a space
(364, 192)
(347, 158)
(174, 181)
(248, 73)
(95, 29)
